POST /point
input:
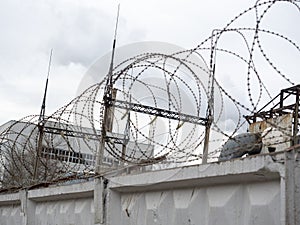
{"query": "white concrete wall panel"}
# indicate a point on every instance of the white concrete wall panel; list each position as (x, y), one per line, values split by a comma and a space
(264, 203)
(129, 203)
(65, 212)
(250, 191)
(235, 204)
(10, 214)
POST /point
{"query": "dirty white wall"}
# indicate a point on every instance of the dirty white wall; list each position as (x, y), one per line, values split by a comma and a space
(253, 203)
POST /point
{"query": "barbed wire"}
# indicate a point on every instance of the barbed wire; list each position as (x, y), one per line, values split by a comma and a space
(72, 142)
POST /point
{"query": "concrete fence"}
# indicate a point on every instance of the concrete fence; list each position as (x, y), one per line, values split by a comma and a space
(257, 190)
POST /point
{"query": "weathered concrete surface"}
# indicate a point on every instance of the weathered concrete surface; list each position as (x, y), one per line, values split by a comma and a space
(259, 168)
(257, 190)
(254, 203)
(244, 191)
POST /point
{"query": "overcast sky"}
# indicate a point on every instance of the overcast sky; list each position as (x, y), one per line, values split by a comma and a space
(82, 31)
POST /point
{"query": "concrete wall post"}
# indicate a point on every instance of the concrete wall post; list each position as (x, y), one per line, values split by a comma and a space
(100, 201)
(27, 208)
(292, 187)
(297, 186)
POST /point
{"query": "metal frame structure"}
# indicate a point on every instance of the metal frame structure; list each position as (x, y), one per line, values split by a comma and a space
(280, 108)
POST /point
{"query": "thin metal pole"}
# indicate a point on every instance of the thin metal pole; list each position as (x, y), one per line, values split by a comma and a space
(296, 115)
(43, 107)
(41, 125)
(107, 100)
(210, 100)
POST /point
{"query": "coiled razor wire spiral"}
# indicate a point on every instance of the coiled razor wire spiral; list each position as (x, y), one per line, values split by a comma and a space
(71, 143)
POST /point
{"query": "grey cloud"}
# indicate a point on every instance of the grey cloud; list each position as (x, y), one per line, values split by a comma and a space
(80, 33)
(79, 37)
